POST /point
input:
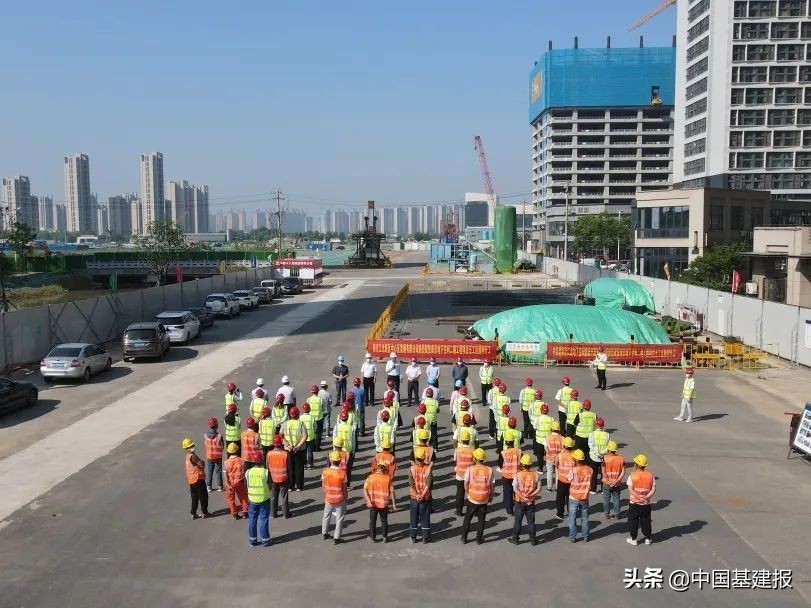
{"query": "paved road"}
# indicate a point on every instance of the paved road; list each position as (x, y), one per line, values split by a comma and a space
(116, 529)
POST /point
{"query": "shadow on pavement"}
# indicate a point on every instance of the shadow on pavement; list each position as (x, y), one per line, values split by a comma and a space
(42, 407)
(621, 385)
(706, 417)
(679, 531)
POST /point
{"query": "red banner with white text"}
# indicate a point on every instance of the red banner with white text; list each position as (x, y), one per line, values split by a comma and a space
(442, 350)
(580, 352)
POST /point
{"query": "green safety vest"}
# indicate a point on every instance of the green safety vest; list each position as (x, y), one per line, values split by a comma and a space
(414, 439)
(601, 363)
(316, 407)
(474, 434)
(431, 409)
(292, 431)
(689, 390)
(503, 423)
(232, 432)
(308, 420)
(346, 431)
(527, 398)
(267, 429)
(572, 410)
(278, 414)
(543, 426)
(600, 443)
(586, 423)
(566, 395)
(383, 430)
(256, 478)
(486, 374)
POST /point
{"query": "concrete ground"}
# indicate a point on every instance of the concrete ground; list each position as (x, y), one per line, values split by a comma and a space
(95, 505)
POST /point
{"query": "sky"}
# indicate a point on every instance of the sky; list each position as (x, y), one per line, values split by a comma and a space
(335, 103)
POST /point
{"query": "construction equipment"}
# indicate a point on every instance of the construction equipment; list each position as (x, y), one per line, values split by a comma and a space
(488, 179)
(368, 253)
(650, 15)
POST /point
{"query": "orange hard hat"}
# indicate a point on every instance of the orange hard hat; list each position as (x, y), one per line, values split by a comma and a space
(350, 395)
(420, 421)
(212, 422)
(429, 392)
(421, 408)
(384, 416)
(250, 422)
(279, 398)
(600, 423)
(544, 409)
(277, 440)
(464, 404)
(314, 388)
(305, 407)
(463, 390)
(496, 381)
(344, 415)
(232, 407)
(231, 386)
(387, 400)
(260, 393)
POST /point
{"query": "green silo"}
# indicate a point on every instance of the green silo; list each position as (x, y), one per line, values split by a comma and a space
(506, 241)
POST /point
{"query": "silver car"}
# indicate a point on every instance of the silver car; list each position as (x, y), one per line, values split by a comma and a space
(181, 325)
(75, 360)
(246, 298)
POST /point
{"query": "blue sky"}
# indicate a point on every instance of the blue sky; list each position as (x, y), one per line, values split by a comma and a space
(333, 102)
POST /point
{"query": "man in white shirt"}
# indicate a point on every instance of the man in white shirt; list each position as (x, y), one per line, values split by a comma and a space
(393, 371)
(368, 372)
(260, 385)
(413, 373)
(289, 393)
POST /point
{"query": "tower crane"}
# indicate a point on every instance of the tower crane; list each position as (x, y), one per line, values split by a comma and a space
(488, 179)
(663, 6)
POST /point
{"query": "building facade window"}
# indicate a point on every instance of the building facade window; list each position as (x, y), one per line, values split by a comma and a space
(698, 29)
(779, 160)
(782, 31)
(792, 8)
(752, 31)
(783, 73)
(787, 96)
(698, 10)
(716, 218)
(698, 49)
(756, 96)
(789, 52)
(784, 139)
(760, 52)
(697, 88)
(694, 166)
(762, 8)
(650, 261)
(696, 108)
(749, 160)
(779, 118)
(663, 222)
(736, 218)
(695, 128)
(750, 73)
(695, 147)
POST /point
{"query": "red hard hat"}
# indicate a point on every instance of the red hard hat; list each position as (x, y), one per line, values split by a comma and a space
(231, 386)
(265, 412)
(463, 390)
(496, 381)
(277, 440)
(350, 405)
(689, 370)
(528, 381)
(466, 419)
(344, 415)
(566, 380)
(389, 394)
(600, 423)
(384, 416)
(250, 421)
(314, 388)
(421, 408)
(305, 407)
(538, 393)
(586, 404)
(350, 395)
(260, 393)
(232, 407)
(386, 400)
(512, 422)
(356, 381)
(544, 409)
(464, 404)
(505, 409)
(279, 398)
(212, 422)
(574, 393)
(429, 392)
(420, 421)
(293, 413)
(390, 383)
(503, 388)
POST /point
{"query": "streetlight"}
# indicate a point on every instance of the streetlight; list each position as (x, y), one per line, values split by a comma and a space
(566, 223)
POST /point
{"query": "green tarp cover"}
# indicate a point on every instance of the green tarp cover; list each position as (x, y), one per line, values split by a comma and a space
(554, 322)
(619, 293)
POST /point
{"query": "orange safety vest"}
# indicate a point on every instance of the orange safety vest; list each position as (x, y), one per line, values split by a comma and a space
(420, 475)
(344, 464)
(464, 460)
(194, 472)
(386, 458)
(527, 482)
(250, 446)
(334, 485)
(378, 486)
(480, 481)
(554, 445)
(614, 465)
(642, 482)
(277, 465)
(564, 466)
(579, 489)
(429, 452)
(235, 470)
(213, 447)
(510, 466)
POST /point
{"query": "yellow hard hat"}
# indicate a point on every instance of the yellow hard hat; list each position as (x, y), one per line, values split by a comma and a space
(612, 446)
(187, 443)
(510, 436)
(335, 456)
(232, 448)
(464, 435)
(423, 434)
(419, 454)
(385, 442)
(479, 454)
(526, 460)
(641, 460)
(339, 442)
(555, 425)
(578, 455)
(568, 442)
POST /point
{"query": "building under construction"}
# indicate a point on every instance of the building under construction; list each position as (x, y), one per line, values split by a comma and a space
(368, 252)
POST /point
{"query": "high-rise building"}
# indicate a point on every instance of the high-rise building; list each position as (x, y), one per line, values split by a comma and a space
(137, 217)
(179, 203)
(81, 214)
(259, 219)
(309, 224)
(293, 221)
(220, 224)
(119, 213)
(152, 189)
(198, 213)
(602, 127)
(60, 217)
(18, 202)
(743, 118)
(45, 212)
(102, 219)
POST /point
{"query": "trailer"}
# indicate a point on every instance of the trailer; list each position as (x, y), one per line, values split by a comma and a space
(309, 270)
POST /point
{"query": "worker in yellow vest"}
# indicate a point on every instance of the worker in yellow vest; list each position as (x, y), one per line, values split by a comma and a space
(346, 432)
(267, 430)
(256, 479)
(601, 363)
(584, 424)
(466, 424)
(384, 430)
(598, 446)
(486, 379)
(526, 487)
(232, 395)
(257, 403)
(317, 411)
(295, 438)
(572, 411)
(563, 396)
(233, 425)
(308, 420)
(543, 427)
(492, 404)
(420, 424)
(526, 397)
(279, 412)
(431, 413)
(688, 396)
(502, 425)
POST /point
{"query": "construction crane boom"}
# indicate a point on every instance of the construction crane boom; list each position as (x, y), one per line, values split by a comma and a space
(488, 180)
(661, 8)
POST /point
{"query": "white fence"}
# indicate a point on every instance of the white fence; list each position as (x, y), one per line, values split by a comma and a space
(776, 328)
(27, 335)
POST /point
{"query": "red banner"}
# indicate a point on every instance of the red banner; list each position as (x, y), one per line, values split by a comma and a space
(443, 350)
(299, 263)
(579, 352)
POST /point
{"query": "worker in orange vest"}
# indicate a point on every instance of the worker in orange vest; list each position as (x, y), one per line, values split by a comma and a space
(278, 464)
(463, 460)
(386, 458)
(526, 486)
(510, 456)
(334, 486)
(378, 490)
(214, 446)
(613, 474)
(553, 447)
(235, 487)
(579, 484)
(251, 451)
(420, 482)
(196, 476)
(641, 488)
(563, 466)
(480, 484)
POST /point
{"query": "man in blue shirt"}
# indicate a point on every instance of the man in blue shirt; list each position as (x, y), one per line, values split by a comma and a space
(432, 373)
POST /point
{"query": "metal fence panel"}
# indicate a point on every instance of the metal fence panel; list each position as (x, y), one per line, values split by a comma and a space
(747, 319)
(130, 308)
(3, 356)
(804, 337)
(172, 299)
(780, 328)
(719, 311)
(27, 335)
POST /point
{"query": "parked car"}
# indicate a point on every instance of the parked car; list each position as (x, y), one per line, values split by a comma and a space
(16, 395)
(246, 298)
(75, 360)
(291, 286)
(181, 325)
(275, 285)
(148, 339)
(265, 294)
(205, 316)
(223, 304)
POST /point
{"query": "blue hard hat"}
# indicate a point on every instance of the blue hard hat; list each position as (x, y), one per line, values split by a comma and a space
(458, 383)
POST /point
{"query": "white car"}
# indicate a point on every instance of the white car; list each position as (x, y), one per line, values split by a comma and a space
(223, 304)
(181, 325)
(75, 360)
(246, 298)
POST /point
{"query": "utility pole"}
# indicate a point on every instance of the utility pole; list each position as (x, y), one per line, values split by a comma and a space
(619, 220)
(524, 224)
(566, 224)
(277, 196)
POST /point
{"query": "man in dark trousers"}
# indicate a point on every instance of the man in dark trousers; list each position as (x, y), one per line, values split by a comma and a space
(340, 372)
(459, 372)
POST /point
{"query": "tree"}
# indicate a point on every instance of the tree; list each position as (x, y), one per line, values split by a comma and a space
(17, 235)
(714, 268)
(601, 232)
(421, 236)
(161, 247)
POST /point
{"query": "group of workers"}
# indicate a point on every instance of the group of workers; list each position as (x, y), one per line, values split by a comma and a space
(266, 457)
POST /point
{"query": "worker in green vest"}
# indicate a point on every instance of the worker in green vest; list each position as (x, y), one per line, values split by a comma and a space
(502, 426)
(384, 431)
(526, 397)
(233, 425)
(257, 403)
(601, 363)
(573, 409)
(256, 478)
(543, 427)
(584, 424)
(308, 420)
(267, 429)
(563, 396)
(317, 410)
(486, 379)
(279, 411)
(431, 412)
(598, 446)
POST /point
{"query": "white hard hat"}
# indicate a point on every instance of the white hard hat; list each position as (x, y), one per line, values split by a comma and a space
(324, 383)
(340, 358)
(392, 355)
(285, 379)
(368, 356)
(260, 381)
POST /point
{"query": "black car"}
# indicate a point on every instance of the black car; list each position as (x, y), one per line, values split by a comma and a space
(144, 340)
(291, 286)
(16, 395)
(204, 314)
